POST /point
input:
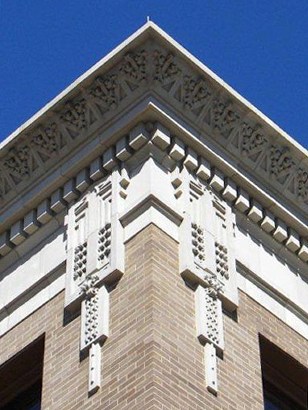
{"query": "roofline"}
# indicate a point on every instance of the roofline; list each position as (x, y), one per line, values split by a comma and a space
(140, 33)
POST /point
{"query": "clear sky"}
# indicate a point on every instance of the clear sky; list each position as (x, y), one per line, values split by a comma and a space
(258, 47)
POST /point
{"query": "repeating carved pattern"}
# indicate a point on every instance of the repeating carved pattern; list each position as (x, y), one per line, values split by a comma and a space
(134, 66)
(196, 92)
(281, 162)
(253, 141)
(75, 114)
(302, 181)
(198, 248)
(212, 321)
(165, 67)
(104, 244)
(222, 266)
(80, 262)
(225, 118)
(106, 93)
(91, 319)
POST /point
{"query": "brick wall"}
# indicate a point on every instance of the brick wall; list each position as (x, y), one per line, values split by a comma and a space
(152, 359)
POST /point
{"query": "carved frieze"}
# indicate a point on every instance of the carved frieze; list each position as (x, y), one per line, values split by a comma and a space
(134, 66)
(281, 163)
(105, 92)
(166, 68)
(194, 94)
(18, 163)
(224, 118)
(302, 183)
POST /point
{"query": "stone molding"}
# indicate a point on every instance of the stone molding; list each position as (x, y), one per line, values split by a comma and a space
(178, 152)
(145, 171)
(152, 67)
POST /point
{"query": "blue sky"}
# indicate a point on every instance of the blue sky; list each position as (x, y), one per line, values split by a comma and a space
(259, 47)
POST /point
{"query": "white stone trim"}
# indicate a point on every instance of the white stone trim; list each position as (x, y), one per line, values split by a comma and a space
(231, 192)
(25, 305)
(279, 306)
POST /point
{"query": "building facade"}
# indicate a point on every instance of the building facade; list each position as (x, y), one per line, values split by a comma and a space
(153, 244)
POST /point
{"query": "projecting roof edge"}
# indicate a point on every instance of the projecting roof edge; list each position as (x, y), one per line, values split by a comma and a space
(147, 28)
(127, 73)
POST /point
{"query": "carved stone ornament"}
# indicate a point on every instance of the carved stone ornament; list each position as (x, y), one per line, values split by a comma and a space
(281, 162)
(302, 181)
(105, 92)
(165, 67)
(207, 240)
(207, 262)
(196, 96)
(253, 141)
(95, 251)
(196, 92)
(134, 66)
(95, 257)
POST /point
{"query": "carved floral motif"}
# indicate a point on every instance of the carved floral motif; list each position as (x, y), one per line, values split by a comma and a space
(18, 162)
(75, 114)
(195, 92)
(165, 67)
(88, 286)
(134, 66)
(104, 91)
(47, 139)
(281, 161)
(302, 183)
(253, 140)
(224, 118)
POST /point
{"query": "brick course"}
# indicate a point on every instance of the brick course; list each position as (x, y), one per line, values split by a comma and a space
(152, 358)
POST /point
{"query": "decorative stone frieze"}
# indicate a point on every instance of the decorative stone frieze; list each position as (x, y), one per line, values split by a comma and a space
(153, 67)
(111, 170)
(116, 196)
(121, 153)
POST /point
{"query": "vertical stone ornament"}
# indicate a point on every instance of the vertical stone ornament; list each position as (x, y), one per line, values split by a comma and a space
(94, 331)
(95, 260)
(94, 368)
(94, 317)
(209, 325)
(95, 239)
(211, 368)
(207, 263)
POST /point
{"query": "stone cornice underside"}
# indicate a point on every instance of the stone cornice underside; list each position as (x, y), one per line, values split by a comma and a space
(172, 150)
(278, 168)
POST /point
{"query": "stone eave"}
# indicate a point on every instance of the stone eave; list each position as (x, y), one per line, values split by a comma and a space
(147, 30)
(69, 92)
(150, 31)
(98, 158)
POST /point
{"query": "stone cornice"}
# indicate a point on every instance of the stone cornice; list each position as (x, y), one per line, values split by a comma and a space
(127, 149)
(151, 62)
